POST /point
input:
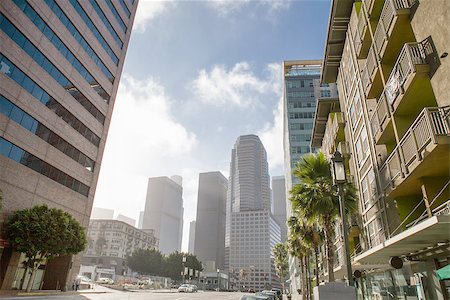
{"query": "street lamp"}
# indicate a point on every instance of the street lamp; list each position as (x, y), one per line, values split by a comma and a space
(218, 280)
(339, 179)
(184, 271)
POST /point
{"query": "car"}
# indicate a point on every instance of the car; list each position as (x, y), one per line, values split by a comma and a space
(185, 288)
(194, 287)
(269, 294)
(278, 291)
(105, 280)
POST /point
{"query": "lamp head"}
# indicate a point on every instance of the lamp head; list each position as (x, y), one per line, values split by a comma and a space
(338, 168)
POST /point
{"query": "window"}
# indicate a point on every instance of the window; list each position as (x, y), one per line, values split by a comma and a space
(106, 22)
(116, 15)
(325, 93)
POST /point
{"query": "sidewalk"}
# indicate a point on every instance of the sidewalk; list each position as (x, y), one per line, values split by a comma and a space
(15, 293)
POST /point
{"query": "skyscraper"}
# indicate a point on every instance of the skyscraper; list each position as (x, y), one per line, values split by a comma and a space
(210, 223)
(60, 65)
(279, 204)
(191, 244)
(301, 90)
(164, 212)
(251, 230)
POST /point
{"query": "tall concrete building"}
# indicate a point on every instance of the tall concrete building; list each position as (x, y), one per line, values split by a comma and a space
(251, 230)
(279, 204)
(391, 121)
(301, 91)
(210, 223)
(191, 244)
(60, 65)
(164, 212)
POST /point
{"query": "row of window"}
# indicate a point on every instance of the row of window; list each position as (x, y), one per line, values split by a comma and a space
(105, 21)
(27, 159)
(301, 115)
(93, 29)
(300, 149)
(125, 8)
(325, 93)
(299, 83)
(51, 69)
(300, 126)
(63, 49)
(79, 38)
(301, 94)
(299, 104)
(300, 137)
(116, 15)
(10, 70)
(28, 122)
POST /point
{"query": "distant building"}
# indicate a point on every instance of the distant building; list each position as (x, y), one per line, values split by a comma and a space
(279, 204)
(60, 68)
(164, 212)
(141, 219)
(102, 213)
(128, 220)
(251, 230)
(110, 241)
(210, 223)
(191, 237)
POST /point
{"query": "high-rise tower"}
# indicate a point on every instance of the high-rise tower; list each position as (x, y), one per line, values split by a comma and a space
(60, 65)
(251, 230)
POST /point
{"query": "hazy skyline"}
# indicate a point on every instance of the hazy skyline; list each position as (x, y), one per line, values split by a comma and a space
(198, 74)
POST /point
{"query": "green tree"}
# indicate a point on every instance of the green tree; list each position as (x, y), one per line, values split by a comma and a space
(281, 261)
(146, 261)
(42, 233)
(298, 250)
(173, 264)
(316, 200)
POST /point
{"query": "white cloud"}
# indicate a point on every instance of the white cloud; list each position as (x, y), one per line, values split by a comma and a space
(235, 87)
(225, 8)
(148, 10)
(144, 141)
(272, 138)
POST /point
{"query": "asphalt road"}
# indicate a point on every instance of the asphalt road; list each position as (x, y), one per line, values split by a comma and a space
(108, 294)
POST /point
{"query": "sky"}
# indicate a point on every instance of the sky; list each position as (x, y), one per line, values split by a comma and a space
(197, 75)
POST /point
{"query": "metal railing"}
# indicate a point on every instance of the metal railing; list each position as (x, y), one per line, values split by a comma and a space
(380, 115)
(390, 9)
(331, 131)
(443, 209)
(430, 123)
(360, 30)
(369, 68)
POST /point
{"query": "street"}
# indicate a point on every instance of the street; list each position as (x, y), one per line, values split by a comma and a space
(102, 293)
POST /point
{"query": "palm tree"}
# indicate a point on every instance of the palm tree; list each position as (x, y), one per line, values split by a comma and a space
(317, 200)
(281, 261)
(299, 249)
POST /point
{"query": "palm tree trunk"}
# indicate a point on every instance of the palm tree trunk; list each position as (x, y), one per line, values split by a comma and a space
(31, 280)
(308, 283)
(330, 250)
(316, 259)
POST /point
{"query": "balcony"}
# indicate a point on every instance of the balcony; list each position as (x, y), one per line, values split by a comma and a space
(334, 132)
(407, 91)
(393, 28)
(419, 154)
(370, 75)
(361, 38)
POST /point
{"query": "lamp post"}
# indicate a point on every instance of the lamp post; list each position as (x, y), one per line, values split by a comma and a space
(184, 271)
(218, 280)
(339, 179)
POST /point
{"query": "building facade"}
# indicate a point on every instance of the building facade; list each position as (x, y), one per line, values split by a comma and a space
(279, 204)
(60, 65)
(164, 212)
(251, 231)
(191, 245)
(391, 67)
(210, 224)
(301, 91)
(111, 241)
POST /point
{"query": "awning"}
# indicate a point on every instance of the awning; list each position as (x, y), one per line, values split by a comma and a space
(443, 273)
(423, 236)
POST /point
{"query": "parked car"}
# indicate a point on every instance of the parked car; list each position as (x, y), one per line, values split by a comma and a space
(194, 287)
(278, 291)
(255, 297)
(271, 295)
(105, 280)
(185, 288)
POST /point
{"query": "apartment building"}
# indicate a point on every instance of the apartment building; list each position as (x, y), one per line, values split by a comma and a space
(111, 241)
(391, 122)
(60, 65)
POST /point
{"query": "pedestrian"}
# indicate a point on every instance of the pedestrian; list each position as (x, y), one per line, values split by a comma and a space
(77, 284)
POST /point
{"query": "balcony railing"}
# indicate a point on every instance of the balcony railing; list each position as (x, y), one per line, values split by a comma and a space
(431, 123)
(443, 209)
(369, 68)
(380, 115)
(331, 131)
(390, 9)
(412, 54)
